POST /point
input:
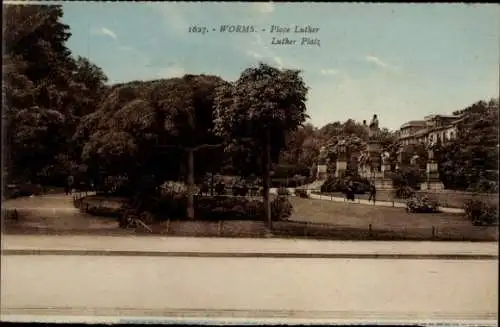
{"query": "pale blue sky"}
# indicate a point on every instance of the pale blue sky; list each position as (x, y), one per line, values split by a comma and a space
(401, 62)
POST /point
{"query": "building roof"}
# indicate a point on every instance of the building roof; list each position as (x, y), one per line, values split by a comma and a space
(447, 117)
(413, 123)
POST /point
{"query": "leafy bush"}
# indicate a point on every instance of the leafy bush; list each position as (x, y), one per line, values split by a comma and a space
(404, 192)
(281, 208)
(333, 185)
(240, 190)
(204, 188)
(408, 176)
(339, 185)
(301, 193)
(481, 212)
(283, 191)
(422, 204)
(216, 208)
(484, 186)
(220, 188)
(104, 211)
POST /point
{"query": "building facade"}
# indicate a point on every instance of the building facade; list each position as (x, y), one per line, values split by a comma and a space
(431, 129)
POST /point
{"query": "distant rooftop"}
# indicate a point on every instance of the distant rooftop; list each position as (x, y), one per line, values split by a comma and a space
(414, 123)
(430, 117)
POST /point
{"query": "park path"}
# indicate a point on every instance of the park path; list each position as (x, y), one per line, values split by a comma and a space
(54, 211)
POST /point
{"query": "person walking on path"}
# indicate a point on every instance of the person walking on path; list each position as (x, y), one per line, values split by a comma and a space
(350, 191)
(373, 194)
(69, 186)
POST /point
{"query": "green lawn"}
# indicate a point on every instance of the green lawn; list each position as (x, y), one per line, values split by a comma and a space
(360, 216)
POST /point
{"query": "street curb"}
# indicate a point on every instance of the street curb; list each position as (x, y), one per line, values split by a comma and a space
(274, 255)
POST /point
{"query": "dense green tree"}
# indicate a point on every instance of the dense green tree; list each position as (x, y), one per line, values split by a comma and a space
(258, 111)
(45, 88)
(154, 128)
(473, 155)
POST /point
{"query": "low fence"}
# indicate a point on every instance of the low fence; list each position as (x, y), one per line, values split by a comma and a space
(308, 230)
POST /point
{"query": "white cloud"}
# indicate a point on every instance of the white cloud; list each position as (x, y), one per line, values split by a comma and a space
(262, 52)
(376, 61)
(328, 72)
(382, 64)
(105, 32)
(264, 7)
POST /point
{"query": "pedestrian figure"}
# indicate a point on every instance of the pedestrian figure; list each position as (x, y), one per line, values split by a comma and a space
(70, 185)
(373, 193)
(350, 192)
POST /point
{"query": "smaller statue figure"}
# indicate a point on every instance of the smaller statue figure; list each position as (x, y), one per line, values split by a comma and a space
(385, 156)
(341, 147)
(399, 154)
(432, 148)
(413, 159)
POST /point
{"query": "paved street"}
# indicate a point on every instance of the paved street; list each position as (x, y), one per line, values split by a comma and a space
(299, 288)
(237, 287)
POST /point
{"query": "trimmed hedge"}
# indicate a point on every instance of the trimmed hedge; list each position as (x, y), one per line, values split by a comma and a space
(301, 193)
(206, 208)
(339, 185)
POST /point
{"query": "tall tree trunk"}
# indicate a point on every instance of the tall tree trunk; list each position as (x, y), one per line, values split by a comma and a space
(190, 184)
(265, 180)
(212, 184)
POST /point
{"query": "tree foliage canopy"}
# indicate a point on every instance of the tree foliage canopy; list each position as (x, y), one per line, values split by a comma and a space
(46, 89)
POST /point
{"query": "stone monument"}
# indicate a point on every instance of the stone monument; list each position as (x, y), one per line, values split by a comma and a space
(399, 159)
(322, 164)
(341, 163)
(432, 183)
(384, 182)
(378, 163)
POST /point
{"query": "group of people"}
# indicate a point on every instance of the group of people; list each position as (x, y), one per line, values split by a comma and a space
(350, 192)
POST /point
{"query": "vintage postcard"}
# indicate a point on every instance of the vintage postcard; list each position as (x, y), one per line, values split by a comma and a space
(250, 163)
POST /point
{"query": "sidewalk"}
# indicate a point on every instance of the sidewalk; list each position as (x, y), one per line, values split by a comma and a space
(217, 247)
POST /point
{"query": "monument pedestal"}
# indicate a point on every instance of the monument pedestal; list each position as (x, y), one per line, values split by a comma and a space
(321, 174)
(432, 186)
(384, 184)
(432, 183)
(340, 168)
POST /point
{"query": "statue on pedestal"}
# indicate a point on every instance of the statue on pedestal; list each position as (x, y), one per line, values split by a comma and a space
(385, 156)
(432, 148)
(322, 155)
(399, 154)
(341, 149)
(374, 128)
(413, 159)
